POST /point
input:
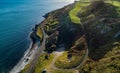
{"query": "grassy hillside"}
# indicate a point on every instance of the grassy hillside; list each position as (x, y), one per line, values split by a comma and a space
(109, 63)
(62, 71)
(39, 33)
(42, 63)
(98, 31)
(75, 12)
(101, 20)
(63, 62)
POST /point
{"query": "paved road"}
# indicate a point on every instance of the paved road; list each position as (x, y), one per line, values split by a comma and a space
(84, 59)
(38, 52)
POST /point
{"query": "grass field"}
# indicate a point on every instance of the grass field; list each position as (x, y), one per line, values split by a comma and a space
(41, 64)
(109, 54)
(64, 63)
(110, 63)
(62, 71)
(117, 4)
(75, 12)
(39, 32)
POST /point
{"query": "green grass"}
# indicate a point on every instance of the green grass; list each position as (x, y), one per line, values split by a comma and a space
(25, 69)
(110, 63)
(48, 28)
(62, 71)
(64, 63)
(54, 22)
(42, 63)
(75, 12)
(39, 32)
(116, 5)
(51, 25)
(109, 54)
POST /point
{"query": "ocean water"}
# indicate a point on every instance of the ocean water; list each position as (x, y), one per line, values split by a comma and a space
(17, 18)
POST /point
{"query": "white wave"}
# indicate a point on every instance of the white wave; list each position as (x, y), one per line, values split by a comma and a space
(24, 61)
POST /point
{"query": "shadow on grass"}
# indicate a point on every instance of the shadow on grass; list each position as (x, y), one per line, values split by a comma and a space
(102, 43)
(98, 53)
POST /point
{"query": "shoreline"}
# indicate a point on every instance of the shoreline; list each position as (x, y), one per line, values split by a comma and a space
(28, 54)
(37, 53)
(32, 48)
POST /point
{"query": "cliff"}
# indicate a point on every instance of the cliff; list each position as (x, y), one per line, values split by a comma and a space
(82, 26)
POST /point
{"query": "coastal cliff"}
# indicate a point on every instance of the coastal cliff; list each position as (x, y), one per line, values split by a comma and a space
(80, 37)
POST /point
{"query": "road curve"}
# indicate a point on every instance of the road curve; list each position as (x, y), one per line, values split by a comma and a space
(84, 59)
(72, 69)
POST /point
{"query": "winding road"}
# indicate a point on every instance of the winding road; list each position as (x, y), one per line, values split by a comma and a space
(39, 51)
(83, 60)
(57, 54)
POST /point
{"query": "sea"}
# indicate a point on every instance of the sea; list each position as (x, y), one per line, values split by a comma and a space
(17, 18)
